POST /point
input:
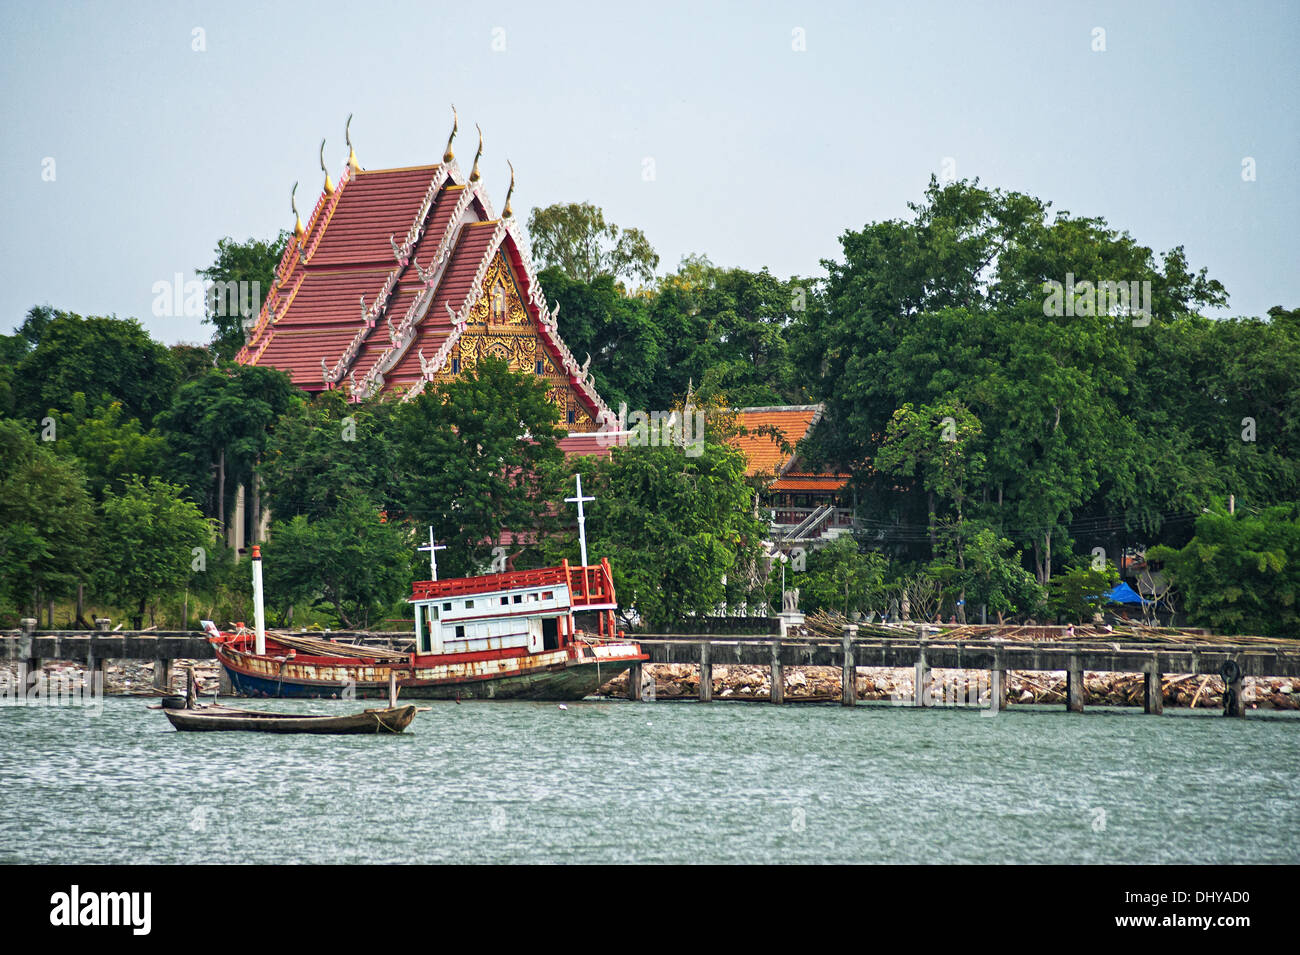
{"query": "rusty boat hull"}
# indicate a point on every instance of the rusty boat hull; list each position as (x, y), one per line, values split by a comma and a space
(559, 675)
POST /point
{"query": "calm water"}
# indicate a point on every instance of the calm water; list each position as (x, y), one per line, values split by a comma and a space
(667, 782)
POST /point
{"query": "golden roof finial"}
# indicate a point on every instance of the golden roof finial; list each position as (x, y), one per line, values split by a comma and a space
(448, 155)
(298, 230)
(506, 213)
(473, 174)
(329, 183)
(352, 153)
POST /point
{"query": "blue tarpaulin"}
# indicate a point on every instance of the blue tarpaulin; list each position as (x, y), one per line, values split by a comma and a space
(1123, 594)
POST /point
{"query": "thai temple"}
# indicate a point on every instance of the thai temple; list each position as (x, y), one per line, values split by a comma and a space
(402, 277)
(405, 277)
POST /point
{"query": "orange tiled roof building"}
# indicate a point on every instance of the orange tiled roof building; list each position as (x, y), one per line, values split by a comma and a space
(802, 505)
(403, 277)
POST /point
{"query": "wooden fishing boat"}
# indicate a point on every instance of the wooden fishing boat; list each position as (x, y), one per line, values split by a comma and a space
(543, 634)
(393, 719)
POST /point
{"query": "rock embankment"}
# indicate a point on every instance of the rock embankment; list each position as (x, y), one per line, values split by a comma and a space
(121, 677)
(822, 684)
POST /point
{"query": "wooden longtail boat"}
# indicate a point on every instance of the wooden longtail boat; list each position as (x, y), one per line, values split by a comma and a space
(214, 717)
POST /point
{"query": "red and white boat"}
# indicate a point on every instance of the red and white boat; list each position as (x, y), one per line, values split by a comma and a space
(515, 635)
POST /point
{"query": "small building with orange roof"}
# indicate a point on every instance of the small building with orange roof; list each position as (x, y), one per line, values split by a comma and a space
(801, 505)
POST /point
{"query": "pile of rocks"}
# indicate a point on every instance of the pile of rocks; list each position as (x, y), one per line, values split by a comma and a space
(822, 684)
(121, 677)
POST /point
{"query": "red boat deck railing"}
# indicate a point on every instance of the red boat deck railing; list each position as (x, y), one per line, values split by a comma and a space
(591, 585)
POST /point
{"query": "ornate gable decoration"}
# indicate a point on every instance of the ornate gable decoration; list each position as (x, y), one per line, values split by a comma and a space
(499, 326)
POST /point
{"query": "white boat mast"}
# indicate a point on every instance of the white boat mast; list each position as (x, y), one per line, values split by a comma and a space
(433, 549)
(582, 517)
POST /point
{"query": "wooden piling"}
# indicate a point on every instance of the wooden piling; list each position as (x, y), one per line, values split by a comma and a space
(28, 663)
(1232, 703)
(634, 681)
(848, 671)
(1153, 695)
(778, 674)
(1074, 685)
(706, 674)
(162, 673)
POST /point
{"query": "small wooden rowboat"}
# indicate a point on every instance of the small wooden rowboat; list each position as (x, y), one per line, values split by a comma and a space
(392, 719)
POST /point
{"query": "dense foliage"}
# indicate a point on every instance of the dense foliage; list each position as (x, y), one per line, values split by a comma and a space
(1012, 425)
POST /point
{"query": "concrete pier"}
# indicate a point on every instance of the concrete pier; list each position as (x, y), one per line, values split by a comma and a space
(778, 674)
(1074, 685)
(998, 682)
(706, 674)
(848, 670)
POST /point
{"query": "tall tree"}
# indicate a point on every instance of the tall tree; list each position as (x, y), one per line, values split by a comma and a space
(675, 527)
(349, 560)
(46, 520)
(245, 269)
(327, 449)
(218, 427)
(1240, 573)
(105, 359)
(575, 238)
(147, 548)
(479, 456)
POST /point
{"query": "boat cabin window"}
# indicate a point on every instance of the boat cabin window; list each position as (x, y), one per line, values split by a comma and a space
(548, 595)
(519, 598)
(469, 604)
(460, 632)
(505, 601)
(446, 606)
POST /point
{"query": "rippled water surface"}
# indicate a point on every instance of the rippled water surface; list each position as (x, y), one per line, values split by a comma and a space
(666, 782)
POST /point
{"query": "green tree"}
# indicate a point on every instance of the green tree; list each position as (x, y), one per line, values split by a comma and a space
(46, 520)
(479, 456)
(1080, 592)
(106, 359)
(725, 331)
(954, 304)
(327, 448)
(841, 576)
(218, 427)
(350, 560)
(939, 445)
(1240, 573)
(995, 577)
(673, 526)
(575, 238)
(247, 270)
(599, 319)
(109, 446)
(146, 549)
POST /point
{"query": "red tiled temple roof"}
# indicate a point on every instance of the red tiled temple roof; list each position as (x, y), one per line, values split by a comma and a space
(375, 290)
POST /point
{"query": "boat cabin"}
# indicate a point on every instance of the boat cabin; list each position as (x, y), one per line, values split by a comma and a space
(527, 611)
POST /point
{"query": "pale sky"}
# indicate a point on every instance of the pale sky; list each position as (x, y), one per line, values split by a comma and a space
(769, 128)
